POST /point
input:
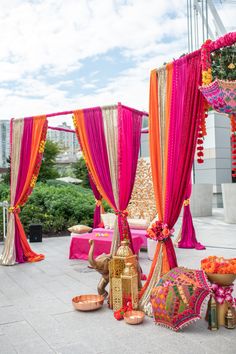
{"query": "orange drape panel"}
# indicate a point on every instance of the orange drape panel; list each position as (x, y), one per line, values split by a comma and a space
(36, 138)
(80, 127)
(155, 156)
(155, 148)
(169, 68)
(38, 126)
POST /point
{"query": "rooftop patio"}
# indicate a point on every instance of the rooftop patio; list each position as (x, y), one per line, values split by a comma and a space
(36, 314)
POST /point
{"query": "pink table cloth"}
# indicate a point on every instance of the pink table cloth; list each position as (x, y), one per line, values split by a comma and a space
(134, 232)
(79, 245)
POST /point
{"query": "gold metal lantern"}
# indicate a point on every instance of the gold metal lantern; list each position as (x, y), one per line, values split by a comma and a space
(116, 266)
(129, 283)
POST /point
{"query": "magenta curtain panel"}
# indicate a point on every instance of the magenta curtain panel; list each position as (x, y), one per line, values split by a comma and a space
(98, 204)
(110, 140)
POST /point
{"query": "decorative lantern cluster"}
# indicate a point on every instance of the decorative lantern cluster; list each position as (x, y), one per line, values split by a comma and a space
(123, 277)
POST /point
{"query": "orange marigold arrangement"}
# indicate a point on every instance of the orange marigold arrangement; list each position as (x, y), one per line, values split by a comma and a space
(220, 265)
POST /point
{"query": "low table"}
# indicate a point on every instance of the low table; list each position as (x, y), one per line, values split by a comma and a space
(79, 245)
(134, 232)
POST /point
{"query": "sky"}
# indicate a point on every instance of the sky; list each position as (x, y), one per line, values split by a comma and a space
(58, 55)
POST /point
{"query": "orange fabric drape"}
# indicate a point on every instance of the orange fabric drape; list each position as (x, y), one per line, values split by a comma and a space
(38, 125)
(155, 156)
(169, 69)
(151, 270)
(81, 133)
(155, 148)
(38, 137)
(29, 254)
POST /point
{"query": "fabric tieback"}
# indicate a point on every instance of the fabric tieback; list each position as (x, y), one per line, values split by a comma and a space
(223, 293)
(186, 202)
(98, 202)
(123, 224)
(122, 213)
(14, 209)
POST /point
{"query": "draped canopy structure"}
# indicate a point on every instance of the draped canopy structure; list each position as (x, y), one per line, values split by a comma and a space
(27, 147)
(176, 110)
(110, 140)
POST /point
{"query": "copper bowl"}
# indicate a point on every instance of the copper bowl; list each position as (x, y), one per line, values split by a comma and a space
(134, 317)
(88, 302)
(221, 279)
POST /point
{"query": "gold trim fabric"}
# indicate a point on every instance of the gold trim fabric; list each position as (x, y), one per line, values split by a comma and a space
(144, 302)
(8, 256)
(162, 92)
(162, 77)
(110, 122)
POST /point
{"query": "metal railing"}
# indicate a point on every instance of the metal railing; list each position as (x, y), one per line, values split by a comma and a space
(5, 207)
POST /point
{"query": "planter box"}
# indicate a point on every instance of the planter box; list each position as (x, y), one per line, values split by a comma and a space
(201, 200)
(151, 248)
(229, 202)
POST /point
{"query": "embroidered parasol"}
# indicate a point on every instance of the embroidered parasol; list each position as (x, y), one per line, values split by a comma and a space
(178, 297)
(221, 95)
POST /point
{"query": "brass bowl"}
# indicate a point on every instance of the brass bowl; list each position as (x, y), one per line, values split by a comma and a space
(134, 317)
(88, 302)
(221, 279)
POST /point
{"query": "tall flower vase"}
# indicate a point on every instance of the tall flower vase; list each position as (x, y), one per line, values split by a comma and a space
(221, 288)
(151, 247)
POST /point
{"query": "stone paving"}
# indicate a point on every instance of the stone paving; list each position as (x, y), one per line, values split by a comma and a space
(36, 314)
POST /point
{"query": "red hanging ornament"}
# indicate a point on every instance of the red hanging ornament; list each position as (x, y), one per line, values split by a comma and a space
(201, 133)
(233, 142)
(200, 161)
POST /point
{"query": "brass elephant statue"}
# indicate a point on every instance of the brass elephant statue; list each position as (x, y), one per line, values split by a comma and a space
(100, 264)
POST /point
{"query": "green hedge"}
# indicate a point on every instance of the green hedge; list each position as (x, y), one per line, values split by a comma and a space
(55, 205)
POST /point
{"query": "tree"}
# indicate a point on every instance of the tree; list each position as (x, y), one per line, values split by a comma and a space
(81, 172)
(48, 168)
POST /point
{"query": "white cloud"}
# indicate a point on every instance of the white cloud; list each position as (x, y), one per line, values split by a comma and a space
(39, 39)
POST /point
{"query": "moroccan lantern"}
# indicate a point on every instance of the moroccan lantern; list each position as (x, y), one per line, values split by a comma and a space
(129, 282)
(116, 266)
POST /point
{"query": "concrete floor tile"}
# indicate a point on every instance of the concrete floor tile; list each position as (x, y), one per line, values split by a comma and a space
(35, 347)
(5, 346)
(9, 314)
(78, 348)
(35, 305)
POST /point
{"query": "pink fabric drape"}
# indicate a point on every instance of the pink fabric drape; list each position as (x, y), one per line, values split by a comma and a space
(27, 145)
(94, 144)
(188, 235)
(129, 135)
(184, 116)
(96, 139)
(24, 166)
(186, 111)
(98, 206)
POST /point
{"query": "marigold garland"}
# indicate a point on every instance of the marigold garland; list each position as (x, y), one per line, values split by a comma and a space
(206, 62)
(201, 134)
(206, 80)
(220, 265)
